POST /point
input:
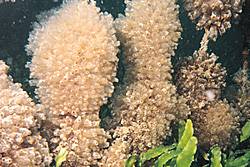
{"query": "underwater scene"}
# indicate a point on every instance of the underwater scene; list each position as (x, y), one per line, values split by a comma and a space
(124, 83)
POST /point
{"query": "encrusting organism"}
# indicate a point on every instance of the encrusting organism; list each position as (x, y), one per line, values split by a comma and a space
(214, 15)
(241, 78)
(242, 98)
(146, 103)
(200, 79)
(20, 144)
(76, 41)
(243, 94)
(74, 63)
(216, 125)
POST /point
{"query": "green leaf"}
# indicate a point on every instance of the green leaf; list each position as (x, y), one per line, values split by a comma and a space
(164, 158)
(155, 152)
(239, 162)
(205, 156)
(187, 134)
(245, 132)
(173, 163)
(186, 157)
(181, 155)
(131, 161)
(61, 157)
(216, 157)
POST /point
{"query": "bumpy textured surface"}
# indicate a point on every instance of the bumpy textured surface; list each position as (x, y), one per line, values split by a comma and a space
(74, 66)
(145, 104)
(243, 95)
(20, 145)
(82, 137)
(147, 110)
(216, 125)
(117, 154)
(74, 48)
(200, 79)
(214, 15)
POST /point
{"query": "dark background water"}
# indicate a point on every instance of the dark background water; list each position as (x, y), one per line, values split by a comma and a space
(16, 22)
